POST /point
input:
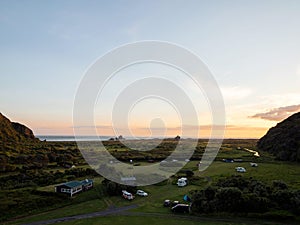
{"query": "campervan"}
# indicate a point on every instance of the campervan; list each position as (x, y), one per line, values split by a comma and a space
(240, 169)
(182, 182)
(181, 208)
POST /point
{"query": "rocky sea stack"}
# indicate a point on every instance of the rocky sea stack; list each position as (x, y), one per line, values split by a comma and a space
(14, 132)
(283, 140)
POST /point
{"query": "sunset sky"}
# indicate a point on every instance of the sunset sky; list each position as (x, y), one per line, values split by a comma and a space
(251, 47)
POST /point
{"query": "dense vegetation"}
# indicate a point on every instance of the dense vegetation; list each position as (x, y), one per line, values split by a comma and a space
(241, 195)
(35, 178)
(283, 140)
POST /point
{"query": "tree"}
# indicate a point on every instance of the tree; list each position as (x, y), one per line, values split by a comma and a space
(229, 199)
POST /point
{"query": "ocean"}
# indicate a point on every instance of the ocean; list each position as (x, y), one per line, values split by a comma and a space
(82, 138)
(71, 138)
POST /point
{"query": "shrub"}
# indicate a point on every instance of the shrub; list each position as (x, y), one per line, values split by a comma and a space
(229, 199)
(279, 185)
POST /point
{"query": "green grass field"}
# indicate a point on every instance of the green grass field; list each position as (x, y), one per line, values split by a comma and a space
(266, 171)
(94, 200)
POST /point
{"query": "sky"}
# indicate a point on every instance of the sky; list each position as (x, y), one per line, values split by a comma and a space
(252, 48)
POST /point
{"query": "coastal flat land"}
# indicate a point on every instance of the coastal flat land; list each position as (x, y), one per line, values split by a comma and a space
(33, 199)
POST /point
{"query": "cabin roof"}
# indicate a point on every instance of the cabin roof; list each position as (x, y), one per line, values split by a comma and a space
(72, 184)
(75, 183)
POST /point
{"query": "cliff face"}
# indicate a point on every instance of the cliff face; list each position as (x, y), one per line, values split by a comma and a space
(23, 130)
(10, 131)
(283, 140)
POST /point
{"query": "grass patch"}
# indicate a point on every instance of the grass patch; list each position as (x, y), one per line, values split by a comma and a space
(266, 172)
(70, 210)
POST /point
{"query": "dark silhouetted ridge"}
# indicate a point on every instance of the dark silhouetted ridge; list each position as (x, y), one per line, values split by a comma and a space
(11, 131)
(283, 140)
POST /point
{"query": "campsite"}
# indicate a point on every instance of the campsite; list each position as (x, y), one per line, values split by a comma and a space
(149, 112)
(99, 198)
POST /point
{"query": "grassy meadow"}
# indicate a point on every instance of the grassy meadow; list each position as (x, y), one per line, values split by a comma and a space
(95, 200)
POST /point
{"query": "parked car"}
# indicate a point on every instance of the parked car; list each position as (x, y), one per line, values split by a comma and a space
(127, 195)
(240, 169)
(181, 208)
(228, 160)
(141, 193)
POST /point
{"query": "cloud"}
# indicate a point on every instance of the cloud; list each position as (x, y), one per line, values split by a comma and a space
(277, 114)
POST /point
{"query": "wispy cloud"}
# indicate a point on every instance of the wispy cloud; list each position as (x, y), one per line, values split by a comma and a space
(278, 114)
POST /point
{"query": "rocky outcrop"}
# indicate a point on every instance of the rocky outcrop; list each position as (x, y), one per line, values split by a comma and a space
(23, 130)
(283, 140)
(11, 131)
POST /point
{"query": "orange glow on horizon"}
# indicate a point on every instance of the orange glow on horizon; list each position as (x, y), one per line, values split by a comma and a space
(205, 131)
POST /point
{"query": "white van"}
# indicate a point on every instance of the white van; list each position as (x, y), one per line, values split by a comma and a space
(182, 182)
(127, 195)
(240, 169)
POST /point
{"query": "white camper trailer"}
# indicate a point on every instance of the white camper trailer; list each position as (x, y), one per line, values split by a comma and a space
(240, 169)
(182, 182)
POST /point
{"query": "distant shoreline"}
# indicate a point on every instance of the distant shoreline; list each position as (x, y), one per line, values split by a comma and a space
(63, 138)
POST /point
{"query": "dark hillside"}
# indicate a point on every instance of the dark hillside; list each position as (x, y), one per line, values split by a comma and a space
(283, 140)
(14, 132)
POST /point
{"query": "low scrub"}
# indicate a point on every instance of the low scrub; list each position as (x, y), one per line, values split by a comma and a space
(241, 195)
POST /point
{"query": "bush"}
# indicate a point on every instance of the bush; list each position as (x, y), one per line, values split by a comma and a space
(210, 193)
(229, 199)
(279, 185)
(253, 203)
(241, 195)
